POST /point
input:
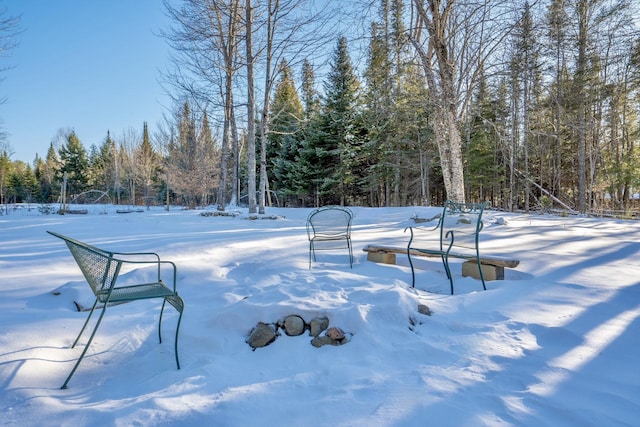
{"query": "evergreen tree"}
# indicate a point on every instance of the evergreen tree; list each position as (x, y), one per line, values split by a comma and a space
(74, 163)
(378, 102)
(5, 172)
(285, 136)
(209, 158)
(147, 164)
(46, 174)
(421, 175)
(105, 167)
(310, 97)
(307, 169)
(397, 152)
(183, 158)
(558, 26)
(23, 185)
(482, 171)
(525, 71)
(340, 138)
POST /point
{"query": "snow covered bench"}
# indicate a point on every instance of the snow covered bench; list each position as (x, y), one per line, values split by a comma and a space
(101, 269)
(459, 227)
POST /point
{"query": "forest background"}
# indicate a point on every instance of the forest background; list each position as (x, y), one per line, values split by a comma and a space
(529, 105)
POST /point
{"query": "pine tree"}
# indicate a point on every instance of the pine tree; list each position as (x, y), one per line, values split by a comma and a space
(310, 97)
(74, 163)
(23, 185)
(378, 115)
(340, 138)
(209, 158)
(101, 163)
(183, 158)
(286, 133)
(5, 172)
(483, 171)
(307, 169)
(147, 164)
(45, 171)
(524, 66)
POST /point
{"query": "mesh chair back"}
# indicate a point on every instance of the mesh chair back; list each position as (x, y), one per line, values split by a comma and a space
(98, 267)
(330, 223)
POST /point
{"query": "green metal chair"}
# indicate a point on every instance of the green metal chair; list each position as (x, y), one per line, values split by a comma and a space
(459, 226)
(330, 225)
(101, 269)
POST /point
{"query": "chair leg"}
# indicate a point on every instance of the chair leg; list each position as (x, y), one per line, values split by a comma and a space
(413, 273)
(447, 269)
(484, 286)
(95, 303)
(178, 304)
(175, 346)
(164, 301)
(86, 347)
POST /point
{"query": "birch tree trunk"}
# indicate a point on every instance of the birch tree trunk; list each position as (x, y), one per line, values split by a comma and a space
(580, 97)
(439, 68)
(251, 132)
(461, 36)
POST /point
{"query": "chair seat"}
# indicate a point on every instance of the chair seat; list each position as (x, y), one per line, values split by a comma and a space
(135, 292)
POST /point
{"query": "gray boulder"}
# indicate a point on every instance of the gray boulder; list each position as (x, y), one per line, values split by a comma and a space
(262, 335)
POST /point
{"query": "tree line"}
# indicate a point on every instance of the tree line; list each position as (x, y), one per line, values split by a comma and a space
(526, 105)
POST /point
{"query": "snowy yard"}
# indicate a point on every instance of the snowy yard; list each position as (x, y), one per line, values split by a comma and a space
(554, 344)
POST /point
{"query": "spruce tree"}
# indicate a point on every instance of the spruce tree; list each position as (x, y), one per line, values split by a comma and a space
(73, 158)
(310, 97)
(307, 169)
(482, 171)
(5, 171)
(377, 100)
(103, 165)
(45, 171)
(339, 140)
(183, 158)
(147, 164)
(285, 135)
(23, 185)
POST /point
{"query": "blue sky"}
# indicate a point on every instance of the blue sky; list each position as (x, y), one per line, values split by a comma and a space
(93, 66)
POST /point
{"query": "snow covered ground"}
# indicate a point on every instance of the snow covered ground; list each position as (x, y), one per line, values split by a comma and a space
(554, 344)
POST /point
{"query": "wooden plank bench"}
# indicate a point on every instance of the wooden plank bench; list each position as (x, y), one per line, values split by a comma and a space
(458, 226)
(493, 267)
(101, 269)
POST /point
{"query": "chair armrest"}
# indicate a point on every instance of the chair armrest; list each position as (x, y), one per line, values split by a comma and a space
(175, 273)
(137, 254)
(422, 231)
(158, 262)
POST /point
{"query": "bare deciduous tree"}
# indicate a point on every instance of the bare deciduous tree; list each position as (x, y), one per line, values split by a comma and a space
(8, 30)
(205, 43)
(286, 28)
(455, 40)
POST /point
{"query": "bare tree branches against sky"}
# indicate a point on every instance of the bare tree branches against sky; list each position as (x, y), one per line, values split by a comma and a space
(91, 66)
(96, 66)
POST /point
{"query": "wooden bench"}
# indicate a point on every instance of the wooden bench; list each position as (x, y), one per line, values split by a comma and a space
(101, 269)
(458, 226)
(493, 267)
